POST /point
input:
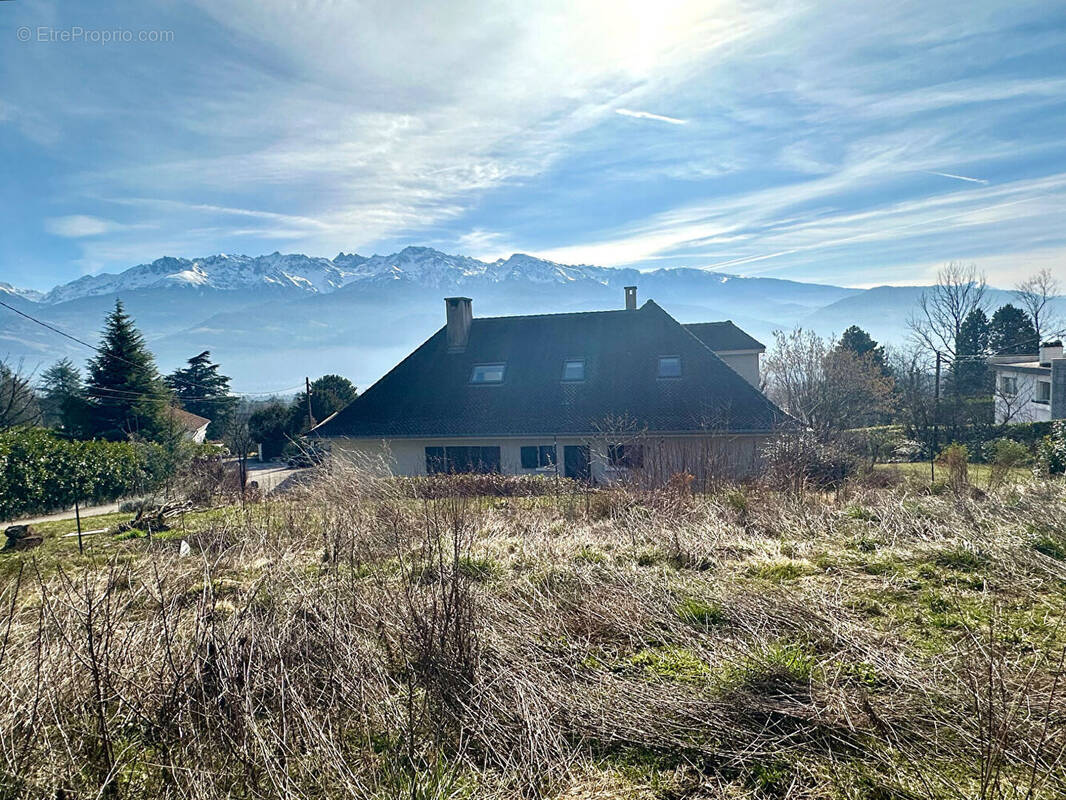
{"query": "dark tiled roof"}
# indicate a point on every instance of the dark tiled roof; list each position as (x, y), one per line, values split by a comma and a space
(723, 336)
(429, 394)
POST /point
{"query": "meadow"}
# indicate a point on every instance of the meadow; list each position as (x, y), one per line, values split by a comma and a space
(361, 638)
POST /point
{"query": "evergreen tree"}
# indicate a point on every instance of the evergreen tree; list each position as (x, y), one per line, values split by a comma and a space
(1012, 332)
(62, 398)
(863, 345)
(202, 389)
(970, 371)
(329, 394)
(271, 426)
(126, 396)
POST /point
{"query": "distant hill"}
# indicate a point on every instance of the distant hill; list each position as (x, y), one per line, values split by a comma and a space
(270, 320)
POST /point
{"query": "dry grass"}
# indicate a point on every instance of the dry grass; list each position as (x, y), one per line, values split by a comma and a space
(353, 641)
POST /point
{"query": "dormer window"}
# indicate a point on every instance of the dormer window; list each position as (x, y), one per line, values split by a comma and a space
(669, 366)
(487, 373)
(574, 369)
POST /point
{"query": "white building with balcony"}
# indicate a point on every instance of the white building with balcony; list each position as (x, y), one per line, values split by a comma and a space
(1031, 388)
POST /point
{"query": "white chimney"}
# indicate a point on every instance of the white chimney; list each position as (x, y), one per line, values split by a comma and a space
(460, 313)
(631, 298)
(1049, 351)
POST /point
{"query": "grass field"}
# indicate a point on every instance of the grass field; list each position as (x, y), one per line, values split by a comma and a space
(979, 474)
(350, 642)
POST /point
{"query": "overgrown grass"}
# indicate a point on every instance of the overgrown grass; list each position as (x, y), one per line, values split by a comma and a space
(354, 640)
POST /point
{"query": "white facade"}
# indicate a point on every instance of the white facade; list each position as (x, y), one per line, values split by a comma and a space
(662, 456)
(1030, 388)
(198, 435)
(744, 362)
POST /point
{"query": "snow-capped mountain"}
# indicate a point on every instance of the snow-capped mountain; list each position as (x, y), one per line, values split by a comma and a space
(26, 294)
(267, 318)
(421, 266)
(223, 272)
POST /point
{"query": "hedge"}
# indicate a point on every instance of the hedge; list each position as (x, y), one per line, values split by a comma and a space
(40, 472)
(979, 439)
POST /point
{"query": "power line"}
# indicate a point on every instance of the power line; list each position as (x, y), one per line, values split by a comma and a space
(130, 363)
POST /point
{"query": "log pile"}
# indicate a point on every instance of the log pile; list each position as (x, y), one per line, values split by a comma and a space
(154, 518)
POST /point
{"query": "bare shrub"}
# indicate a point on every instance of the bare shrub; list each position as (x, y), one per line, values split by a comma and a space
(799, 461)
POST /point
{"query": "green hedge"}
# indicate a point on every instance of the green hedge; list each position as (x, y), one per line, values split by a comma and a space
(40, 472)
(979, 439)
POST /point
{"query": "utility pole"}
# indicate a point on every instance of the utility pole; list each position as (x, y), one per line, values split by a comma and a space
(77, 519)
(936, 420)
(310, 416)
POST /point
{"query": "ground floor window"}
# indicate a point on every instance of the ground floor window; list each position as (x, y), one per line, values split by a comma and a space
(1043, 392)
(462, 459)
(538, 456)
(630, 456)
(1008, 385)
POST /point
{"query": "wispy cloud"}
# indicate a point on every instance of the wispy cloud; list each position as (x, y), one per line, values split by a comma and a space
(77, 226)
(959, 177)
(484, 245)
(802, 144)
(626, 112)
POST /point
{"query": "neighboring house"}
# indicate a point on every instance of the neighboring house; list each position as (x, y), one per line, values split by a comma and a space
(735, 347)
(193, 426)
(586, 395)
(1031, 388)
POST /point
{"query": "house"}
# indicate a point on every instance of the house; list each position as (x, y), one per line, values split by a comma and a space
(588, 395)
(1031, 388)
(193, 427)
(735, 347)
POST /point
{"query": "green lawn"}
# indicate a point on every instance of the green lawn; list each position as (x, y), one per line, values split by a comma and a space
(979, 474)
(61, 548)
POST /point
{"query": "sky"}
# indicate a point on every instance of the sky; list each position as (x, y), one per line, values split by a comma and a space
(849, 143)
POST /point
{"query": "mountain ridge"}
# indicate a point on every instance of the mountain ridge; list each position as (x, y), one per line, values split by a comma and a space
(272, 319)
(301, 273)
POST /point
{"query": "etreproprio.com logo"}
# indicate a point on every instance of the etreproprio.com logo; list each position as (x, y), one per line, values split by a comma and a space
(76, 34)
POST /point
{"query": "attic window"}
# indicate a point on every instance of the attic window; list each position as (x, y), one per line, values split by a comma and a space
(487, 373)
(574, 369)
(669, 366)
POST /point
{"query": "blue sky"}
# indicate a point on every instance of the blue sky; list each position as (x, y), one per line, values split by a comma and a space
(852, 143)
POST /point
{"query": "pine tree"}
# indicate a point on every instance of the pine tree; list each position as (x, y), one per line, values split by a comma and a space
(970, 371)
(125, 392)
(62, 398)
(863, 345)
(202, 389)
(329, 394)
(1012, 332)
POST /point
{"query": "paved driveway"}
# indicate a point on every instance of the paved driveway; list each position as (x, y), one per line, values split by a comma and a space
(269, 476)
(86, 511)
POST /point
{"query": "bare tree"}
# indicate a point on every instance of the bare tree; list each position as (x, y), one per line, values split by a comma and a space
(938, 322)
(1012, 405)
(238, 438)
(1035, 294)
(18, 402)
(913, 372)
(828, 389)
(960, 290)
